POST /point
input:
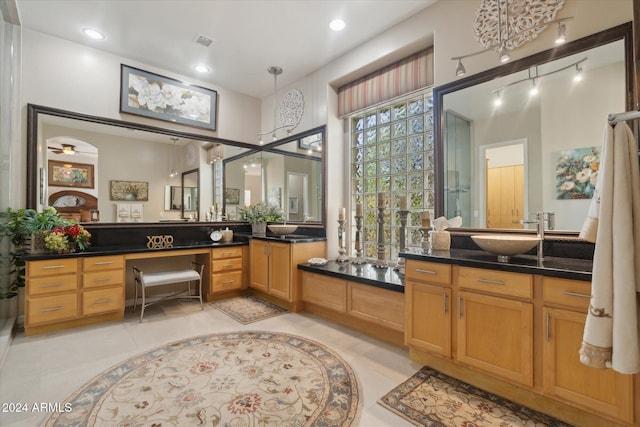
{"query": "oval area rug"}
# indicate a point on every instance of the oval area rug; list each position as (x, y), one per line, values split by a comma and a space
(230, 379)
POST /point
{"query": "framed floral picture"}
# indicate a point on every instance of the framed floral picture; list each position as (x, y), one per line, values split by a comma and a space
(151, 95)
(577, 173)
(70, 174)
(133, 191)
(231, 196)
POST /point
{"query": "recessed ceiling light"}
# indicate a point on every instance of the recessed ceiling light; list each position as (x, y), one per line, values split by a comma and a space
(201, 68)
(94, 34)
(337, 25)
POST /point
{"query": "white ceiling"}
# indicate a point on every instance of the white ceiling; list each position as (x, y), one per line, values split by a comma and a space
(249, 35)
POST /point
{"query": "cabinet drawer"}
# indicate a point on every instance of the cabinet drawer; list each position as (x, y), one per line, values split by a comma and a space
(226, 281)
(325, 291)
(573, 293)
(102, 278)
(102, 263)
(230, 252)
(102, 301)
(52, 309)
(226, 264)
(431, 272)
(47, 285)
(498, 282)
(52, 266)
(380, 306)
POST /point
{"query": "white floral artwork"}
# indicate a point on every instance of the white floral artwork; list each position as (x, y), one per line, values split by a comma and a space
(577, 173)
(159, 97)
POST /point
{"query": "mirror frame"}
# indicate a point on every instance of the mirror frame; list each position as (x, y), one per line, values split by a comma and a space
(620, 32)
(34, 111)
(182, 187)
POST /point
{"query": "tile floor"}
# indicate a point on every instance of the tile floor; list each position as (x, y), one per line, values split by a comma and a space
(49, 367)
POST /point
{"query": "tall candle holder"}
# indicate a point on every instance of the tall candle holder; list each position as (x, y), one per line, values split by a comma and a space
(342, 250)
(403, 239)
(426, 243)
(380, 262)
(358, 260)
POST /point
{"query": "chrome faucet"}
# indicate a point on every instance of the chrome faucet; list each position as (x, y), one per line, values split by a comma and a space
(539, 222)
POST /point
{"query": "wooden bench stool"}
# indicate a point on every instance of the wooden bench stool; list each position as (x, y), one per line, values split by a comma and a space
(148, 280)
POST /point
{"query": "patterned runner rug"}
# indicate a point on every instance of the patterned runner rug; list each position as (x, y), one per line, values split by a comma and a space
(431, 398)
(248, 309)
(229, 379)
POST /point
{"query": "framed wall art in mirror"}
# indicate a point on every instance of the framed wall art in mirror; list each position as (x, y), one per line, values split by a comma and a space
(497, 140)
(158, 97)
(70, 174)
(133, 191)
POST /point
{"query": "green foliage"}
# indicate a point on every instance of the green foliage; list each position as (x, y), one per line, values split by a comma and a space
(262, 212)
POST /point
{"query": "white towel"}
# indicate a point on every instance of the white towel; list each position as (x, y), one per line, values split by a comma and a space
(612, 333)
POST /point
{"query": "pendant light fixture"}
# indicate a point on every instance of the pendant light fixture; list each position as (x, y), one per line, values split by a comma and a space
(291, 110)
(174, 172)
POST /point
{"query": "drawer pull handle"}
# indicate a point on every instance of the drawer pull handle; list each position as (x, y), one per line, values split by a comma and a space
(53, 267)
(46, 310)
(102, 301)
(547, 327)
(228, 282)
(103, 263)
(576, 294)
(459, 307)
(102, 279)
(227, 253)
(444, 304)
(491, 282)
(52, 285)
(228, 265)
(421, 270)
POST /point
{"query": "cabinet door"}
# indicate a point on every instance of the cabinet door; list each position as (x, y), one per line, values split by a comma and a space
(428, 317)
(496, 335)
(280, 270)
(259, 264)
(600, 390)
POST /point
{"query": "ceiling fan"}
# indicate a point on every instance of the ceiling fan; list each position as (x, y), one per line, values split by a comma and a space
(67, 149)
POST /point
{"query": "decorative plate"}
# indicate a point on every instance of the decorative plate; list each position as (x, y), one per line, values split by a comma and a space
(318, 261)
(291, 108)
(215, 235)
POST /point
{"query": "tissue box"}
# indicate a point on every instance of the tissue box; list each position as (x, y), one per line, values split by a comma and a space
(440, 240)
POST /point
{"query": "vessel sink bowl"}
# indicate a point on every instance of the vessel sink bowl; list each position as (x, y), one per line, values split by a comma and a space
(505, 245)
(282, 228)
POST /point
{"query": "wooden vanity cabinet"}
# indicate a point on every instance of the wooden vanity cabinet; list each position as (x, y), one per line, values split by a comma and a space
(427, 296)
(226, 270)
(274, 267)
(601, 390)
(66, 292)
(494, 318)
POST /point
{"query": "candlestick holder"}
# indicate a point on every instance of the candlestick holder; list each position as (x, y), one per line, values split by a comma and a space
(403, 239)
(358, 260)
(380, 262)
(342, 250)
(426, 243)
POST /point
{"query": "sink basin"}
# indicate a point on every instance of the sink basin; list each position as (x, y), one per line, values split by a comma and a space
(505, 245)
(282, 228)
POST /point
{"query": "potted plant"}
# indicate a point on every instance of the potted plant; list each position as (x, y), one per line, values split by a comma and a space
(259, 214)
(29, 230)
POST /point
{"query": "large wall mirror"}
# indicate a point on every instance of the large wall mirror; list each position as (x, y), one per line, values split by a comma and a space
(89, 166)
(508, 152)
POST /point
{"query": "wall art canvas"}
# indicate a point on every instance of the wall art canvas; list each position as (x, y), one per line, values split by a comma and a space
(151, 95)
(274, 198)
(577, 173)
(133, 191)
(231, 196)
(63, 174)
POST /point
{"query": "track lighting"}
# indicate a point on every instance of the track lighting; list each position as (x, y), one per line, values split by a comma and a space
(275, 72)
(498, 101)
(501, 44)
(174, 172)
(503, 54)
(534, 88)
(561, 36)
(460, 71)
(578, 76)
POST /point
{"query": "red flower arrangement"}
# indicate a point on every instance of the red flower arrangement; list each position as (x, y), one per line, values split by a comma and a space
(68, 238)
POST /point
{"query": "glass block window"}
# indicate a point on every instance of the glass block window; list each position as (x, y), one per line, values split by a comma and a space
(391, 152)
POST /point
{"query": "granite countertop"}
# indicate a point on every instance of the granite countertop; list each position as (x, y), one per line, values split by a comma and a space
(130, 249)
(568, 268)
(288, 238)
(385, 278)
